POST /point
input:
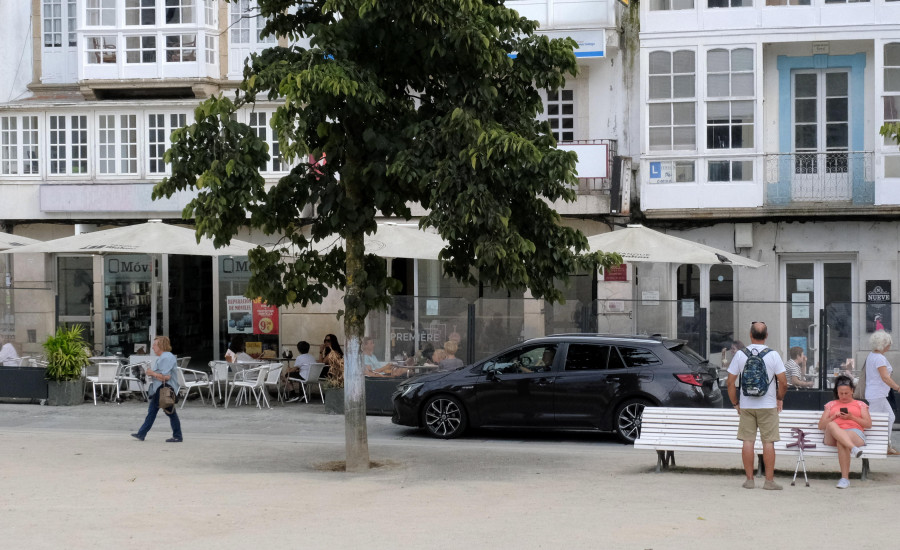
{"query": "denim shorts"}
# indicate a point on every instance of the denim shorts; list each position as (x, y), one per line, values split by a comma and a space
(858, 432)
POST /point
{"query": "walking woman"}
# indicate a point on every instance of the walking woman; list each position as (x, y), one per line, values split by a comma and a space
(878, 378)
(164, 374)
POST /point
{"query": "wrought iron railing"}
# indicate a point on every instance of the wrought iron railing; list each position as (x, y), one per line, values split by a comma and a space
(820, 176)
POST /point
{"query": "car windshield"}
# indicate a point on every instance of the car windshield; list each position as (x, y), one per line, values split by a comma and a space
(686, 354)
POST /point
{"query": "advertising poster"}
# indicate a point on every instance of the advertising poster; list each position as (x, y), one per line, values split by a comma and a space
(240, 315)
(265, 318)
(878, 305)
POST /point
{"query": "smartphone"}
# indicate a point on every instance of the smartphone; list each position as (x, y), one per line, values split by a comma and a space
(844, 410)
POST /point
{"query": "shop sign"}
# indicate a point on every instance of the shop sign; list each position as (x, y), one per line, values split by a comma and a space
(618, 273)
(246, 316)
(235, 268)
(878, 305)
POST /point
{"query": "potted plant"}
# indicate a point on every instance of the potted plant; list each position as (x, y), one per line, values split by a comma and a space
(67, 355)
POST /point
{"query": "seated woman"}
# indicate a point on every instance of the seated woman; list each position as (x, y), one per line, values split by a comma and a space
(373, 367)
(844, 421)
(237, 350)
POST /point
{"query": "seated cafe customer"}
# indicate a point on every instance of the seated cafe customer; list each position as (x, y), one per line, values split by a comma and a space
(844, 422)
(301, 366)
(794, 369)
(373, 367)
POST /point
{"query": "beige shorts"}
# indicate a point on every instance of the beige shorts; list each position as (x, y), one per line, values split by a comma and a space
(766, 420)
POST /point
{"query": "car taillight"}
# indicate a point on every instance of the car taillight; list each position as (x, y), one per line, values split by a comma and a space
(692, 379)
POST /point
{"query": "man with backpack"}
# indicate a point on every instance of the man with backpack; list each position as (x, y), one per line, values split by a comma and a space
(759, 372)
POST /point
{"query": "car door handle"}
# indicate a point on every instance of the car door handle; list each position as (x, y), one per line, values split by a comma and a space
(544, 381)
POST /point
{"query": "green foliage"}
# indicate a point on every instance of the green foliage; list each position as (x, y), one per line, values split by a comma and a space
(67, 353)
(413, 103)
(891, 130)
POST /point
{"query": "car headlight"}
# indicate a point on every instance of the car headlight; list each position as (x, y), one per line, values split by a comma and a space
(406, 389)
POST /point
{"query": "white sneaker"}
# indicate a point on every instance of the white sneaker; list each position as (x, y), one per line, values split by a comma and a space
(843, 483)
(856, 452)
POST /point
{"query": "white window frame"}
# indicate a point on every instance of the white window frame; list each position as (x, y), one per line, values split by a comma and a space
(671, 5)
(211, 48)
(118, 144)
(891, 156)
(180, 52)
(141, 49)
(211, 13)
(159, 138)
(20, 145)
(72, 145)
(259, 120)
(139, 7)
(737, 168)
(671, 101)
(246, 24)
(104, 52)
(100, 13)
(559, 110)
(186, 11)
(52, 20)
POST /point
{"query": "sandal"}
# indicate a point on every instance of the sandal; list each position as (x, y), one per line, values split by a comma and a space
(893, 451)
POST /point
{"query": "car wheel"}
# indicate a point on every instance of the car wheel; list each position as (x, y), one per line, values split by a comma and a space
(444, 417)
(628, 419)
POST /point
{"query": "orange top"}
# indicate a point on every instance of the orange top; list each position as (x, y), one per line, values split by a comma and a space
(854, 407)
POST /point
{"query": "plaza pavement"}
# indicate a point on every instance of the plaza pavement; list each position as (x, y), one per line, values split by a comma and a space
(72, 478)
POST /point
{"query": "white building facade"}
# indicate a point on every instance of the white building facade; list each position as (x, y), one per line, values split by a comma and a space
(760, 134)
(94, 89)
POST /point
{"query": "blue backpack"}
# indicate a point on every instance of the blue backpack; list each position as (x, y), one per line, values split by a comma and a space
(755, 378)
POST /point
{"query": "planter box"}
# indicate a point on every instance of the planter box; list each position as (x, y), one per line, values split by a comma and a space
(378, 395)
(23, 382)
(65, 394)
(334, 400)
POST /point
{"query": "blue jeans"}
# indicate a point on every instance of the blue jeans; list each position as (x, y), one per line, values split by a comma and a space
(152, 411)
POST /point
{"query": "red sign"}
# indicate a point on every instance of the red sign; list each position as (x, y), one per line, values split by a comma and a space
(265, 318)
(618, 273)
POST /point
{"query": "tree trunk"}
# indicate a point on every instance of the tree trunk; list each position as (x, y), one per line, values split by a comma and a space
(355, 435)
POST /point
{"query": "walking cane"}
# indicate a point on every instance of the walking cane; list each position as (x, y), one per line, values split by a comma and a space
(801, 443)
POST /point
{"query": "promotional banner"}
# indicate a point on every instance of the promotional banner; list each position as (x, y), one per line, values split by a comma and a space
(240, 315)
(265, 318)
(878, 305)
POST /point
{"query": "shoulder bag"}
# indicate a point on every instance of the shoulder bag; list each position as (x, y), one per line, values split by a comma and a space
(166, 398)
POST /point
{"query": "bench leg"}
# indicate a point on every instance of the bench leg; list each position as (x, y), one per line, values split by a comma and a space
(664, 459)
(761, 469)
(865, 469)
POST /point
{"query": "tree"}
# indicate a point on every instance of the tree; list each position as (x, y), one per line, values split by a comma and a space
(432, 102)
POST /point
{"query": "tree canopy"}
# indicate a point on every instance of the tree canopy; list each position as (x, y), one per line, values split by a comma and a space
(428, 102)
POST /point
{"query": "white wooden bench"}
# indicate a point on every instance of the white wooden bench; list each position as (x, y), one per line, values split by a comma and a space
(669, 429)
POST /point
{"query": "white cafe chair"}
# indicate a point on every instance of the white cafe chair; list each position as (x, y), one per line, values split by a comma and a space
(133, 376)
(273, 378)
(219, 376)
(314, 377)
(250, 381)
(106, 376)
(200, 380)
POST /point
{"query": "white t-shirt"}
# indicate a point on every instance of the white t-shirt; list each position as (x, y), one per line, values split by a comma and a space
(303, 362)
(774, 367)
(8, 354)
(875, 386)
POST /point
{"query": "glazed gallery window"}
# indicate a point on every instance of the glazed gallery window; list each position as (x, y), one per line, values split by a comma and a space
(730, 170)
(100, 13)
(101, 50)
(259, 122)
(159, 130)
(211, 50)
(729, 4)
(117, 144)
(672, 101)
(787, 2)
(179, 12)
(140, 12)
(19, 148)
(663, 5)
(68, 144)
(246, 23)
(560, 112)
(181, 48)
(891, 97)
(140, 49)
(53, 23)
(210, 13)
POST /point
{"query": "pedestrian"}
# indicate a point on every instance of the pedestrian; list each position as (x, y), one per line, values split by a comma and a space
(164, 374)
(879, 382)
(758, 412)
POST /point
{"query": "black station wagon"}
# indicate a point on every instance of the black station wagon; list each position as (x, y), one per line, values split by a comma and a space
(566, 381)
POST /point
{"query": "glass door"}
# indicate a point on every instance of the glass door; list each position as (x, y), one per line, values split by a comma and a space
(821, 128)
(811, 287)
(75, 293)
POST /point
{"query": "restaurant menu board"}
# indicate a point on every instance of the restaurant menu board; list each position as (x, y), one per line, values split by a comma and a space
(246, 316)
(126, 300)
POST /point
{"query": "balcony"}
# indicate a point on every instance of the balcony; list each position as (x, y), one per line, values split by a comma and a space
(830, 177)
